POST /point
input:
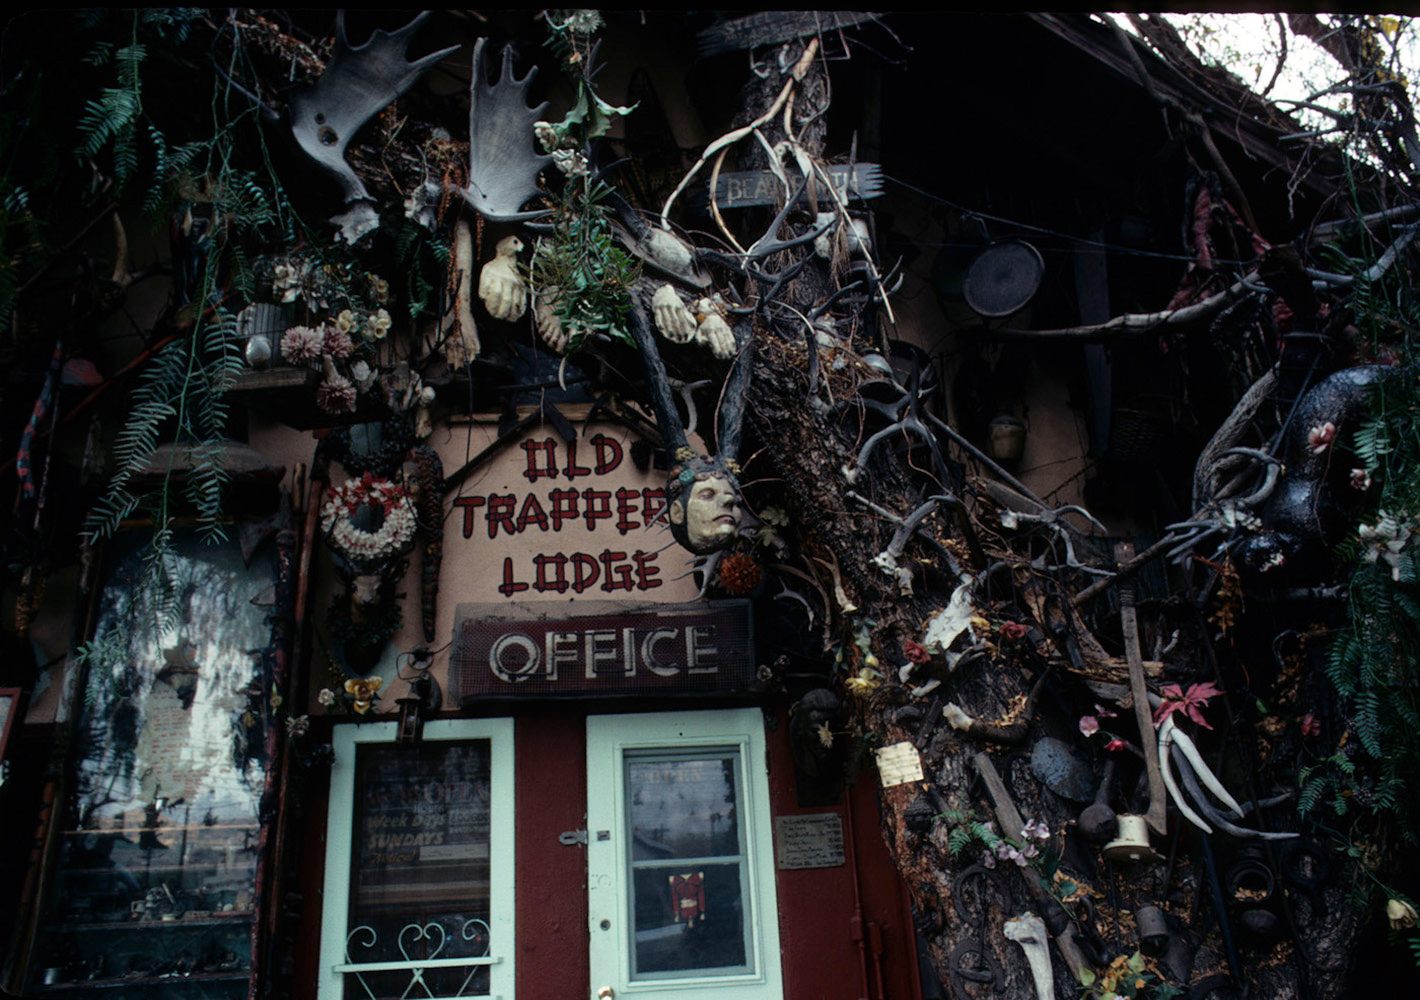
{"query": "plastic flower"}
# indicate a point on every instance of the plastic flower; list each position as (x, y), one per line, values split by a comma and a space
(286, 282)
(363, 692)
(739, 574)
(988, 860)
(863, 681)
(825, 735)
(337, 343)
(1089, 725)
(1311, 726)
(347, 321)
(379, 289)
(1360, 480)
(301, 345)
(326, 697)
(915, 651)
(377, 325)
(1013, 631)
(336, 394)
(1035, 830)
(1191, 702)
(1115, 744)
(1401, 914)
(1319, 438)
(1385, 541)
(299, 725)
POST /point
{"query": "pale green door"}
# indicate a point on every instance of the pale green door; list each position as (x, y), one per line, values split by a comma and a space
(680, 867)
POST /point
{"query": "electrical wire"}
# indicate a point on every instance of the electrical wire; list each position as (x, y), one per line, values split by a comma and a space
(1098, 245)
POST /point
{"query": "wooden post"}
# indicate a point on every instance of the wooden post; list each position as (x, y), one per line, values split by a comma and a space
(1157, 816)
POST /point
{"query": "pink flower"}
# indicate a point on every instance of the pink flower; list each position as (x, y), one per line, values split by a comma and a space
(301, 345)
(988, 860)
(1360, 480)
(1311, 726)
(1319, 438)
(915, 651)
(336, 394)
(1115, 745)
(1013, 631)
(338, 343)
(1089, 725)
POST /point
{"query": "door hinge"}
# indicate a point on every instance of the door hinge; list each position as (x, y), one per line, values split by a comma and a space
(569, 838)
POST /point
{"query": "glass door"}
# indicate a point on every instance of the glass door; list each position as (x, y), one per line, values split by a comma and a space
(680, 867)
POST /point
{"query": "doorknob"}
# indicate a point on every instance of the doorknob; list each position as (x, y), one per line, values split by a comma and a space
(605, 993)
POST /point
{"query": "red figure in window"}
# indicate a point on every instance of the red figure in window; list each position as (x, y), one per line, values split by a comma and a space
(688, 897)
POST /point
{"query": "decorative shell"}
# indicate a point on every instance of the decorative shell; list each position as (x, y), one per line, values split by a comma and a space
(673, 319)
(501, 288)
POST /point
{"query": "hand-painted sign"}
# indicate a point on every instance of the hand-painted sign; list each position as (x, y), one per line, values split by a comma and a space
(567, 518)
(601, 648)
(748, 189)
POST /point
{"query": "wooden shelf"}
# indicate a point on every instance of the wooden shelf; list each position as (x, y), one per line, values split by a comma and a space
(235, 917)
(146, 981)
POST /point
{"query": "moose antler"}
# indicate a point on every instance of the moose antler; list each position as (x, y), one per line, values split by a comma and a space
(357, 84)
(502, 170)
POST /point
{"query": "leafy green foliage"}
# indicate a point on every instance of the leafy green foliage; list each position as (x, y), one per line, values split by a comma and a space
(579, 270)
(1372, 662)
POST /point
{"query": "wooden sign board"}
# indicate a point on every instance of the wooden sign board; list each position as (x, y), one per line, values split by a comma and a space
(600, 649)
(748, 189)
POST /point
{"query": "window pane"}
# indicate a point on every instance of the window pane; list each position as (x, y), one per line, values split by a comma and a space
(688, 922)
(154, 892)
(419, 885)
(683, 808)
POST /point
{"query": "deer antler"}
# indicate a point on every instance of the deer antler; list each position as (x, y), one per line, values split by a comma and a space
(359, 81)
(502, 170)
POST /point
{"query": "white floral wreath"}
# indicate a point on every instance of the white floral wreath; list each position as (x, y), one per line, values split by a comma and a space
(392, 537)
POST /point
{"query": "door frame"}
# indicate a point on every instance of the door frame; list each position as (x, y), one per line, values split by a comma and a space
(609, 738)
(340, 834)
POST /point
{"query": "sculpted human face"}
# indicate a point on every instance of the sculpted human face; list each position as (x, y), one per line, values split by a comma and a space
(712, 513)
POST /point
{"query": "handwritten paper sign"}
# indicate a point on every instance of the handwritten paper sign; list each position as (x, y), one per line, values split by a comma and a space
(899, 764)
(812, 841)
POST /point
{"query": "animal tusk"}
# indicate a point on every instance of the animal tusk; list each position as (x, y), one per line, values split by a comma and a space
(1166, 732)
(1190, 781)
(1190, 750)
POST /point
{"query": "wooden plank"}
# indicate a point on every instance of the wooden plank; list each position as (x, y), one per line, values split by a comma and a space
(1009, 818)
(1157, 816)
(773, 27)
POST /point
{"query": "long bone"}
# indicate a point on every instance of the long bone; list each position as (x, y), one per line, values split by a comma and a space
(1028, 931)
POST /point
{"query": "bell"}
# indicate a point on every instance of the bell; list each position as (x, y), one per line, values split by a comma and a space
(1008, 439)
(1153, 930)
(1132, 844)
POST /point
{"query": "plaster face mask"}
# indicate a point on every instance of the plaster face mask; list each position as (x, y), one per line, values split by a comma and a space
(708, 516)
